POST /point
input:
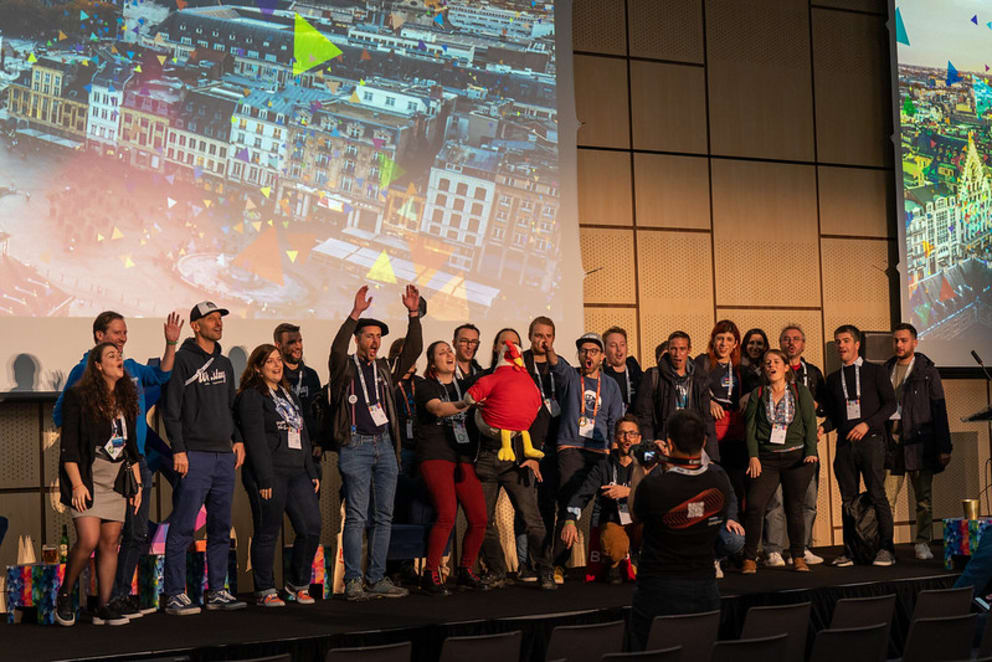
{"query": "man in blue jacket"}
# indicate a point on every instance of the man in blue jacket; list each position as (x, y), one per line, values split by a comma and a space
(110, 326)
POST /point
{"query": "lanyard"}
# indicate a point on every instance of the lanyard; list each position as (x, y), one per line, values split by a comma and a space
(361, 378)
(630, 391)
(460, 374)
(458, 389)
(299, 381)
(540, 380)
(730, 380)
(857, 380)
(892, 378)
(287, 409)
(407, 399)
(582, 396)
(805, 372)
(786, 406)
(122, 430)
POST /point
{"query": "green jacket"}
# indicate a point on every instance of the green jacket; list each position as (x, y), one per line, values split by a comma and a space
(800, 434)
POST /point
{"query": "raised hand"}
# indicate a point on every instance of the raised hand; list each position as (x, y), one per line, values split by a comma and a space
(362, 301)
(173, 327)
(411, 298)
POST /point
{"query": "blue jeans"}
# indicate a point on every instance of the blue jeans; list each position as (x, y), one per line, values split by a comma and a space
(667, 596)
(728, 543)
(134, 536)
(368, 471)
(210, 482)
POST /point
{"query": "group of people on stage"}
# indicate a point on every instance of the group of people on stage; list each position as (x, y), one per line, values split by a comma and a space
(734, 430)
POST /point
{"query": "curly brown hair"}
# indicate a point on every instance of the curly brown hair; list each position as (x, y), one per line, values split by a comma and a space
(94, 394)
(252, 376)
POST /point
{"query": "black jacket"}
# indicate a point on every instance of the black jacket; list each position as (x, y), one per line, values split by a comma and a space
(812, 378)
(924, 413)
(656, 403)
(632, 372)
(267, 438)
(878, 401)
(305, 384)
(605, 509)
(199, 401)
(342, 375)
(82, 433)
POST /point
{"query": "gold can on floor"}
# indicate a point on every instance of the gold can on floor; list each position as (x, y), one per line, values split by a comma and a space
(970, 507)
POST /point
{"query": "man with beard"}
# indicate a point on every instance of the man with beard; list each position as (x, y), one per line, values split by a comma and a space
(620, 365)
(609, 483)
(301, 378)
(465, 342)
(674, 387)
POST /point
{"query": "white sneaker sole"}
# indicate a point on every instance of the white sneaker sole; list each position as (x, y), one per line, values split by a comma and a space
(110, 621)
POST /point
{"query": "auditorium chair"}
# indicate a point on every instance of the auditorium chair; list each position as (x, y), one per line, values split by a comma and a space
(695, 633)
(945, 602)
(765, 649)
(940, 639)
(862, 644)
(389, 653)
(285, 657)
(859, 612)
(483, 648)
(673, 654)
(792, 620)
(585, 643)
(985, 647)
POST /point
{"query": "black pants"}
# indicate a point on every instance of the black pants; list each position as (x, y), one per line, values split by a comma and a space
(864, 459)
(734, 460)
(789, 470)
(547, 489)
(521, 487)
(574, 466)
(292, 494)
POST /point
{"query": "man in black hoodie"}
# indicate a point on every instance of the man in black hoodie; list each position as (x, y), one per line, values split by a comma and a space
(206, 451)
(674, 387)
(919, 433)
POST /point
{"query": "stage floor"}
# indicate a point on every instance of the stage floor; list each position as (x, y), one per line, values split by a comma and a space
(309, 631)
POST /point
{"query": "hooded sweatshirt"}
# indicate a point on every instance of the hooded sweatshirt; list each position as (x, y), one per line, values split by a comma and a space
(199, 401)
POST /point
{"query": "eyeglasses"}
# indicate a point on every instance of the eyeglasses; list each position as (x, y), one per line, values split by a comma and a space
(466, 341)
(591, 351)
(628, 434)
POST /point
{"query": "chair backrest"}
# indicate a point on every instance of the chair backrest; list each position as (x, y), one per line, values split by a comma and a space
(935, 639)
(792, 620)
(945, 602)
(585, 643)
(673, 654)
(389, 653)
(765, 649)
(985, 648)
(285, 657)
(859, 612)
(695, 633)
(500, 647)
(864, 644)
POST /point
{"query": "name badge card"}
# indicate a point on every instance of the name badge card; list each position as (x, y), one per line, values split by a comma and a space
(115, 446)
(587, 427)
(409, 428)
(778, 434)
(553, 407)
(294, 439)
(461, 434)
(853, 410)
(378, 414)
(624, 511)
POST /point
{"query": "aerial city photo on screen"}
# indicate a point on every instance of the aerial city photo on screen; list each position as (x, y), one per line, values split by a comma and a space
(276, 154)
(945, 110)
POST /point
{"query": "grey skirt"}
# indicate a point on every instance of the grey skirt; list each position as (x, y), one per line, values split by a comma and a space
(107, 504)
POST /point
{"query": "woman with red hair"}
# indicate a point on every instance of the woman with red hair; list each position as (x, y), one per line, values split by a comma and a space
(721, 364)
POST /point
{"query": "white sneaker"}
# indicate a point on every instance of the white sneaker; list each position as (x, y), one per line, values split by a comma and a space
(923, 552)
(774, 560)
(811, 558)
(719, 570)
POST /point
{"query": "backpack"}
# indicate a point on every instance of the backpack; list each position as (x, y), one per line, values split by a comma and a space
(861, 521)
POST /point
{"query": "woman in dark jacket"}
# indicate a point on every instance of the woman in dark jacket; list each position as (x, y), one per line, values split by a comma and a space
(97, 436)
(279, 475)
(781, 444)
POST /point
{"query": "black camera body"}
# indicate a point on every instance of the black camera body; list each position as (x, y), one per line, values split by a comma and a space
(647, 454)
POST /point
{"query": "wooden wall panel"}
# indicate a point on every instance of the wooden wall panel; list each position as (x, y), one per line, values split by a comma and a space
(604, 187)
(599, 26)
(764, 230)
(855, 285)
(871, 6)
(23, 510)
(760, 87)
(666, 29)
(772, 321)
(600, 319)
(856, 201)
(668, 104)
(604, 250)
(601, 101)
(672, 191)
(851, 62)
(21, 466)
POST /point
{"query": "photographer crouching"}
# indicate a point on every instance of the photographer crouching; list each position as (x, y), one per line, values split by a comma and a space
(682, 501)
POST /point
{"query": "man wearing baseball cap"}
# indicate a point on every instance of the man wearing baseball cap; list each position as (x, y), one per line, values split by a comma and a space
(365, 426)
(590, 407)
(206, 451)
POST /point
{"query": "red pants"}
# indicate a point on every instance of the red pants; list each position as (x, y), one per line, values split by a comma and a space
(450, 484)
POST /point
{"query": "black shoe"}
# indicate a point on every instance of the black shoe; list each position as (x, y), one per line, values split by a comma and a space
(465, 578)
(431, 583)
(126, 606)
(108, 615)
(526, 575)
(547, 578)
(64, 613)
(495, 579)
(613, 575)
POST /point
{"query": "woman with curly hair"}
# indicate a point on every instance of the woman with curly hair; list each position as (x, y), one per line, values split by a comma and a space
(98, 434)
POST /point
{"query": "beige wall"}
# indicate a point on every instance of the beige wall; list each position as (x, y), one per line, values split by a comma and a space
(734, 162)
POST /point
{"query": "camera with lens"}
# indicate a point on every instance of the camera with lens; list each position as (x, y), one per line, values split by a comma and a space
(647, 454)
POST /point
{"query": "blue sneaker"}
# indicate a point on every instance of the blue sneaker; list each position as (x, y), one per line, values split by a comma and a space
(180, 605)
(221, 599)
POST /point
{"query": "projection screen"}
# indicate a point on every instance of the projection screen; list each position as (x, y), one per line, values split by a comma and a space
(272, 157)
